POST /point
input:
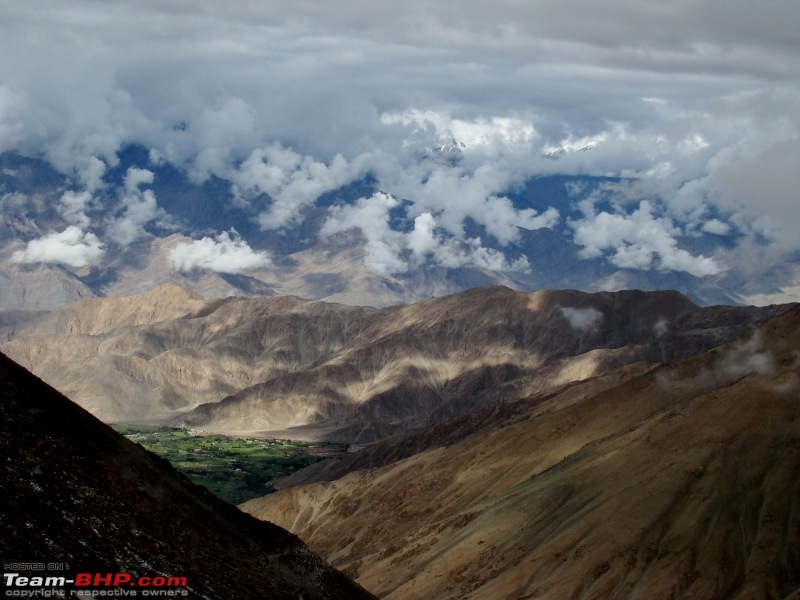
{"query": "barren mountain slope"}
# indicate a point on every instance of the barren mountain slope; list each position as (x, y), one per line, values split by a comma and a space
(11, 320)
(435, 359)
(172, 350)
(680, 482)
(98, 316)
(76, 492)
(271, 364)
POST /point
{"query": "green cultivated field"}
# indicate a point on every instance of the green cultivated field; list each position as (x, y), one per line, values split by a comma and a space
(234, 469)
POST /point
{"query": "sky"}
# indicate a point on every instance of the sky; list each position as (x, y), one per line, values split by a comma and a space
(698, 101)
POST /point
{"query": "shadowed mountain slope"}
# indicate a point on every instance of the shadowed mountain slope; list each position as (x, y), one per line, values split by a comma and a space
(74, 491)
(299, 368)
(677, 481)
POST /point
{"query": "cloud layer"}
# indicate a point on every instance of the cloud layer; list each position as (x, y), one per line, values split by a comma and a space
(389, 251)
(638, 241)
(448, 109)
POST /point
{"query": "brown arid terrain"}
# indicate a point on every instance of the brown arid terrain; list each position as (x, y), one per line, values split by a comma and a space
(76, 493)
(289, 367)
(671, 481)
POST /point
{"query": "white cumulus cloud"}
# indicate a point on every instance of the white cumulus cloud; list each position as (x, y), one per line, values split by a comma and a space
(138, 207)
(456, 193)
(438, 249)
(72, 247)
(135, 177)
(638, 240)
(72, 207)
(389, 251)
(225, 253)
(422, 240)
(291, 180)
(90, 173)
(371, 215)
(716, 227)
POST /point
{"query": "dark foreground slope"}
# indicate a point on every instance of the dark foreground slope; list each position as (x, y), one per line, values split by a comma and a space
(74, 491)
(672, 481)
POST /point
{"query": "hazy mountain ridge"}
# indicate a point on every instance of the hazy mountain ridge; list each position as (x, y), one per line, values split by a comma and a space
(77, 492)
(273, 364)
(40, 287)
(674, 481)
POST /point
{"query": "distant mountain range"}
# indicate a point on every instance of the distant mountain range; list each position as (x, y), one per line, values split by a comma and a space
(150, 223)
(288, 367)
